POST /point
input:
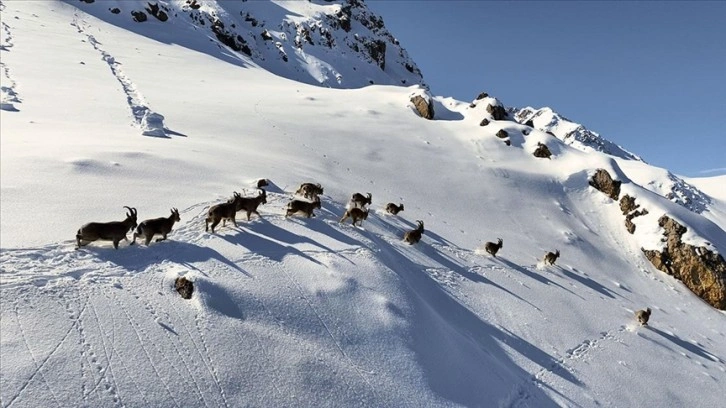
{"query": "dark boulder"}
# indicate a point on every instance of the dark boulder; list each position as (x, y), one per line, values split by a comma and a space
(497, 111)
(502, 134)
(154, 10)
(482, 96)
(139, 16)
(542, 151)
(484, 122)
(185, 287)
(603, 182)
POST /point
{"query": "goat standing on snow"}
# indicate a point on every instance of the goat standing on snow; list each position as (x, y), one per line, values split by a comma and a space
(394, 209)
(223, 212)
(250, 204)
(356, 214)
(550, 257)
(162, 226)
(493, 248)
(113, 231)
(359, 200)
(414, 236)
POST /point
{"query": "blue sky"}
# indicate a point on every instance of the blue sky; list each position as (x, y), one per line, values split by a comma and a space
(650, 76)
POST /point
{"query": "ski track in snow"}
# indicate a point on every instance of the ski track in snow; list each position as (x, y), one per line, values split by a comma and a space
(9, 95)
(137, 103)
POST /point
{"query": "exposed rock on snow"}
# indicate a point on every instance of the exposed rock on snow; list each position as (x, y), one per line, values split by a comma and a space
(602, 181)
(542, 151)
(185, 287)
(700, 269)
(424, 106)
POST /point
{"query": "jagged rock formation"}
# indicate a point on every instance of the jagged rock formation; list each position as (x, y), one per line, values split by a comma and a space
(484, 122)
(335, 43)
(542, 151)
(497, 111)
(602, 181)
(680, 192)
(573, 134)
(502, 134)
(700, 269)
(630, 211)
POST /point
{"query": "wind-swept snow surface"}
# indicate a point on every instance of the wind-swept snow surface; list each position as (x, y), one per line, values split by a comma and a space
(308, 311)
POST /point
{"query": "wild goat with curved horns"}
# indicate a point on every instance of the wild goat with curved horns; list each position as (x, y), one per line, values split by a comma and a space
(250, 204)
(306, 207)
(356, 214)
(310, 190)
(414, 236)
(643, 316)
(394, 209)
(359, 200)
(493, 248)
(223, 212)
(113, 231)
(550, 257)
(162, 226)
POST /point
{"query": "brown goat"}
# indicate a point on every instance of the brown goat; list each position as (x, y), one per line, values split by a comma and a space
(223, 212)
(306, 207)
(113, 231)
(250, 204)
(493, 248)
(643, 316)
(356, 214)
(550, 257)
(162, 225)
(393, 208)
(359, 200)
(309, 190)
(414, 236)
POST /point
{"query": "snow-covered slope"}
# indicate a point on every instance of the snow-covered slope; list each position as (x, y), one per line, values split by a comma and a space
(309, 312)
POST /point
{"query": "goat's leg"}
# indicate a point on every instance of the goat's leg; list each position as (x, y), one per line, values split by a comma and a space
(214, 224)
(115, 243)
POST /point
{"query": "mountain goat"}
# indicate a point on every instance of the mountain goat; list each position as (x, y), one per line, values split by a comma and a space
(113, 231)
(414, 236)
(162, 226)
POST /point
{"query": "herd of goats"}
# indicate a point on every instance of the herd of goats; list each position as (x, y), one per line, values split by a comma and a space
(115, 231)
(357, 211)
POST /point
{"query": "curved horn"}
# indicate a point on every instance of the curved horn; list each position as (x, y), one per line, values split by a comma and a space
(370, 196)
(131, 211)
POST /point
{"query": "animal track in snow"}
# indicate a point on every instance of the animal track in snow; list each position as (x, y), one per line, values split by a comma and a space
(8, 92)
(152, 123)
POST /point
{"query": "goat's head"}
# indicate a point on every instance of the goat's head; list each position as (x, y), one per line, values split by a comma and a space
(175, 215)
(131, 216)
(263, 196)
(500, 242)
(420, 225)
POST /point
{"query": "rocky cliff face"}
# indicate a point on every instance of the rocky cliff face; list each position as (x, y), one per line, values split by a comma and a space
(700, 269)
(338, 43)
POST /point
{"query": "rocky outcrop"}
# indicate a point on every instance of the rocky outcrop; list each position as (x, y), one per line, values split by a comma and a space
(185, 287)
(700, 269)
(630, 210)
(542, 151)
(502, 134)
(484, 122)
(424, 106)
(497, 111)
(139, 16)
(156, 11)
(482, 96)
(603, 182)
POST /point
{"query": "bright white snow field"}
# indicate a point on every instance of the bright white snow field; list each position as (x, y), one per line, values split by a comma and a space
(308, 312)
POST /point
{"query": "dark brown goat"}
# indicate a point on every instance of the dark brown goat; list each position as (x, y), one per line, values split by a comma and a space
(162, 225)
(309, 190)
(393, 208)
(359, 200)
(306, 207)
(356, 214)
(493, 248)
(550, 257)
(250, 204)
(414, 236)
(113, 231)
(223, 212)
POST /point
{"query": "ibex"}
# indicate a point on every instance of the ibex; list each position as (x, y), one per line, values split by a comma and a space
(356, 214)
(493, 248)
(643, 316)
(162, 225)
(250, 204)
(306, 207)
(414, 236)
(310, 190)
(550, 257)
(223, 212)
(393, 208)
(108, 231)
(359, 200)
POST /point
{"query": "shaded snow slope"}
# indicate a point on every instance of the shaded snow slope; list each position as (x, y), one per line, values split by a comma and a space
(308, 312)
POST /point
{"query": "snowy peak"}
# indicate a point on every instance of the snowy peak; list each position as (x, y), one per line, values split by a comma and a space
(573, 134)
(337, 44)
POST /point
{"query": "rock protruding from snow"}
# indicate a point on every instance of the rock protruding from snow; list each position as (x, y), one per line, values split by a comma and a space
(700, 269)
(497, 111)
(542, 151)
(184, 286)
(573, 134)
(424, 105)
(630, 211)
(602, 181)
